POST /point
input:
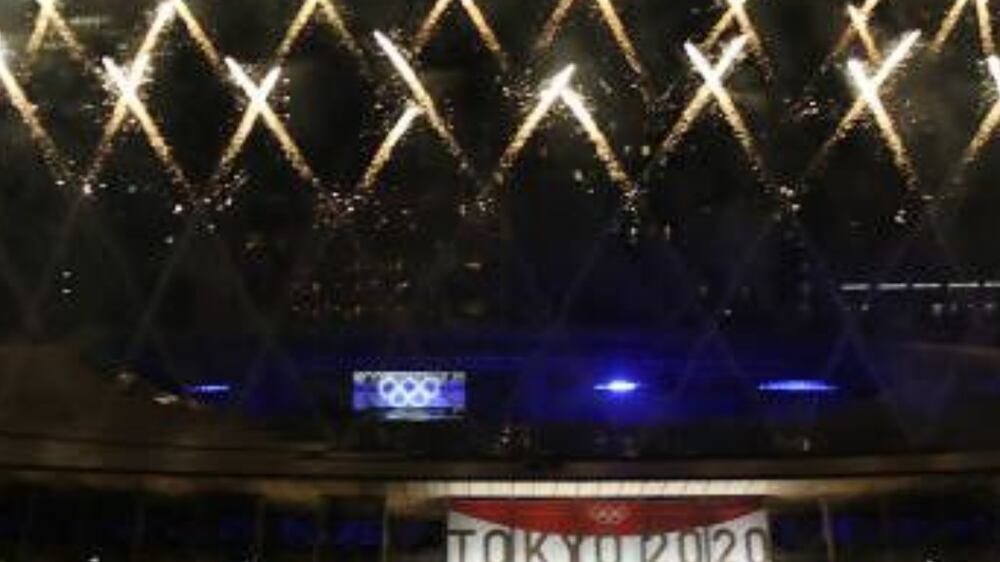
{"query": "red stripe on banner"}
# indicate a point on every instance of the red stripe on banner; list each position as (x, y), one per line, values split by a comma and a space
(606, 517)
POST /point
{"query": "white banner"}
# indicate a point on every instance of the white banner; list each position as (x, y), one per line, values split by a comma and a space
(608, 531)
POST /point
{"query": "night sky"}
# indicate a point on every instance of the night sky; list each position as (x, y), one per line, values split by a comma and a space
(709, 240)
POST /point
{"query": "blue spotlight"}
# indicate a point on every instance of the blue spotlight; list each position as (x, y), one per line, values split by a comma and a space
(798, 386)
(618, 386)
(208, 389)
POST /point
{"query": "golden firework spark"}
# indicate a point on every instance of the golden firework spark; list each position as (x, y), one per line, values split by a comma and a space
(713, 77)
(886, 70)
(546, 100)
(420, 93)
(859, 22)
(607, 155)
(49, 16)
(429, 24)
(983, 17)
(305, 15)
(243, 130)
(862, 14)
(29, 114)
(127, 84)
(164, 14)
(559, 89)
(611, 18)
(992, 119)
(736, 13)
(554, 23)
(712, 87)
(868, 91)
(475, 15)
(197, 33)
(621, 35)
(259, 108)
(385, 150)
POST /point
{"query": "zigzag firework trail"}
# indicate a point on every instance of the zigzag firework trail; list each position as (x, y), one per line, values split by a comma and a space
(548, 98)
(166, 12)
(420, 94)
(859, 22)
(888, 67)
(555, 21)
(432, 23)
(737, 13)
(485, 30)
(713, 83)
(28, 112)
(385, 150)
(983, 18)
(48, 14)
(302, 18)
(863, 14)
(128, 88)
(621, 35)
(869, 93)
(259, 108)
(245, 127)
(992, 119)
(559, 90)
(198, 33)
(600, 142)
(611, 19)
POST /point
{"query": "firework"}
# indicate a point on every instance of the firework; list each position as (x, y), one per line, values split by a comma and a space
(736, 13)
(886, 70)
(305, 15)
(475, 15)
(713, 77)
(859, 22)
(258, 108)
(862, 14)
(620, 35)
(554, 23)
(127, 84)
(49, 16)
(243, 130)
(606, 154)
(868, 91)
(164, 14)
(611, 19)
(983, 17)
(198, 33)
(29, 115)
(384, 153)
(559, 89)
(546, 100)
(420, 93)
(992, 119)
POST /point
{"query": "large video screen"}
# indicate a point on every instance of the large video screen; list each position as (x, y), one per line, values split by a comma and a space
(410, 395)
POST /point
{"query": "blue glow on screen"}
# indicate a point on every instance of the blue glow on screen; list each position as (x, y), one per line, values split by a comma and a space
(208, 389)
(798, 386)
(618, 386)
(410, 395)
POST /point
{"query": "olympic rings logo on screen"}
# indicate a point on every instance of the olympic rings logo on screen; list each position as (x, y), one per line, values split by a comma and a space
(608, 514)
(410, 390)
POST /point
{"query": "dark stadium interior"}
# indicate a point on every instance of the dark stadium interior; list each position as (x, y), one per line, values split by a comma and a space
(185, 311)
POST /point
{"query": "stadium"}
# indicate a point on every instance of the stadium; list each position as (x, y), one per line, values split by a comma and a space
(499, 280)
